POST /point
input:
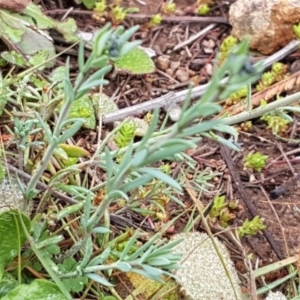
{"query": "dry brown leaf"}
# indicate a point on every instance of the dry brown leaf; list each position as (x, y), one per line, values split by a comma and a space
(285, 85)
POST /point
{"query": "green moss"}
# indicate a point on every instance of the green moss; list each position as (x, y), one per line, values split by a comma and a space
(148, 288)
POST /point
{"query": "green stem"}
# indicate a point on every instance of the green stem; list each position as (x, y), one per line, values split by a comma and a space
(258, 112)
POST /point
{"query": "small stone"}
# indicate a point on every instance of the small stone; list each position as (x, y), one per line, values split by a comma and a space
(175, 112)
(144, 34)
(268, 24)
(179, 12)
(170, 72)
(163, 62)
(175, 65)
(209, 69)
(209, 43)
(182, 75)
(208, 46)
(191, 73)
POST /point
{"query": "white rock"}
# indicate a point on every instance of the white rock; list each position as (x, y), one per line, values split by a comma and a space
(276, 296)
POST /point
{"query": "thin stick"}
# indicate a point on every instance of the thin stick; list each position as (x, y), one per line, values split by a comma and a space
(277, 219)
(195, 37)
(173, 98)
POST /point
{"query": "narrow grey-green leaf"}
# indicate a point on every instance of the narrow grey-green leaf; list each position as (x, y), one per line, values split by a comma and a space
(123, 266)
(99, 279)
(136, 183)
(101, 230)
(162, 176)
(158, 261)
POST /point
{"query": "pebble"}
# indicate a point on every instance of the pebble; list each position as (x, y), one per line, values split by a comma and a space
(182, 75)
(163, 62)
(175, 65)
(210, 44)
(209, 69)
(170, 72)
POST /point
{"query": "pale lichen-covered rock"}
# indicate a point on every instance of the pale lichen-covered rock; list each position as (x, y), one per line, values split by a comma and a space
(203, 276)
(276, 296)
(267, 23)
(10, 195)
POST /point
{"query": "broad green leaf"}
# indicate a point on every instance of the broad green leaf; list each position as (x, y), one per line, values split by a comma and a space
(41, 20)
(14, 58)
(16, 33)
(7, 283)
(67, 28)
(39, 58)
(10, 29)
(12, 234)
(76, 284)
(39, 289)
(136, 61)
(89, 4)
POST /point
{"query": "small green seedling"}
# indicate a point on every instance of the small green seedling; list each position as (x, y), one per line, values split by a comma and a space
(251, 227)
(125, 135)
(100, 6)
(155, 20)
(137, 61)
(278, 122)
(219, 204)
(296, 29)
(203, 9)
(115, 12)
(168, 8)
(226, 47)
(277, 73)
(256, 161)
(222, 210)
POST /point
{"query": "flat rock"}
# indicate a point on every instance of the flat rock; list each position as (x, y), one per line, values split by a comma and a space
(267, 23)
